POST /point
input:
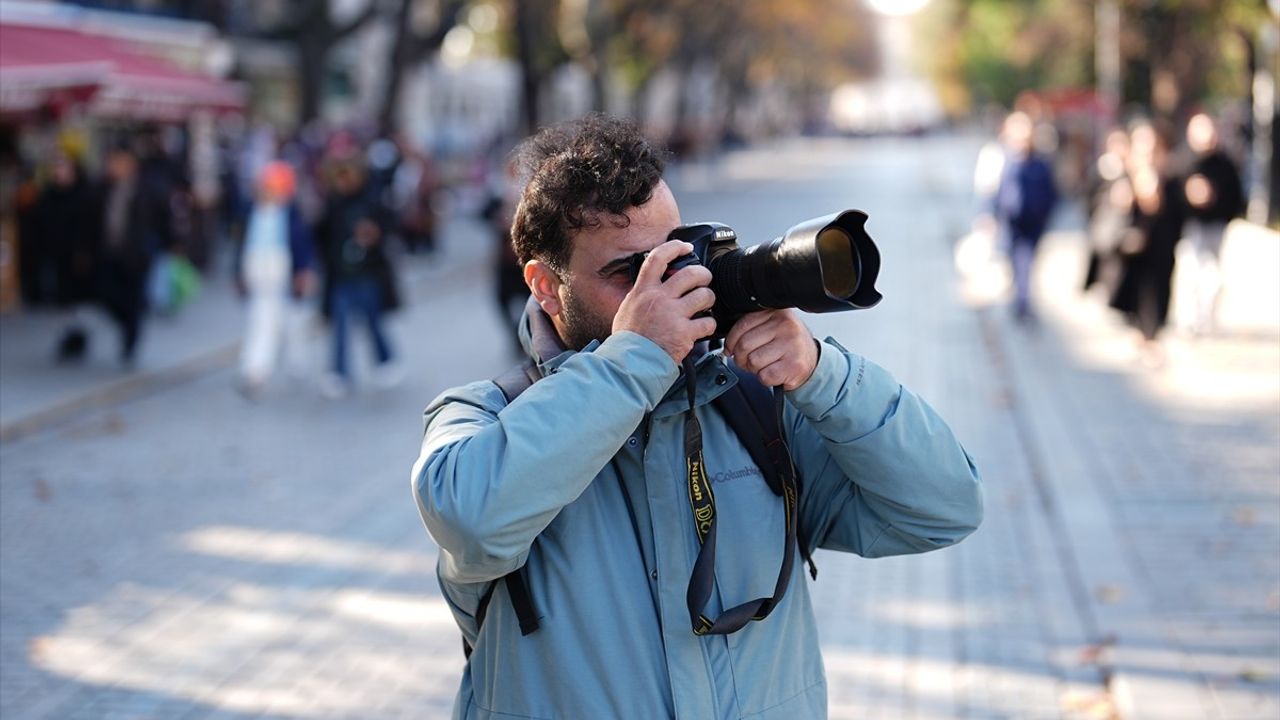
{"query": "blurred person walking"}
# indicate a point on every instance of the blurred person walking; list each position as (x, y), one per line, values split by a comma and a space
(1110, 211)
(414, 186)
(1214, 197)
(1157, 216)
(273, 266)
(65, 223)
(135, 227)
(511, 292)
(1023, 204)
(358, 274)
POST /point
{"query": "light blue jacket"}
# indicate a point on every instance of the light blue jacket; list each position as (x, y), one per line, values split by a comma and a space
(582, 480)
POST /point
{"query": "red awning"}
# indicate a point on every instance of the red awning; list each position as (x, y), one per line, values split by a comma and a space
(47, 66)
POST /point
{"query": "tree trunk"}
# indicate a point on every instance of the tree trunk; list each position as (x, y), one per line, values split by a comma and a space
(599, 85)
(312, 71)
(388, 120)
(530, 77)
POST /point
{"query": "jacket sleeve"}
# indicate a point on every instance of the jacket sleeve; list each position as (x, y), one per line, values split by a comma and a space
(883, 474)
(489, 480)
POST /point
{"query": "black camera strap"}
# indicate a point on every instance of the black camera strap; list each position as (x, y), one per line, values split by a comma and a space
(702, 503)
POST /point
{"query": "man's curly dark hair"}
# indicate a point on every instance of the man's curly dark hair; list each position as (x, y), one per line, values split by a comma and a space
(580, 174)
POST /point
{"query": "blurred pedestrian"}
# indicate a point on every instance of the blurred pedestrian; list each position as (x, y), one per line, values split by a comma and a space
(1214, 197)
(1023, 204)
(414, 188)
(134, 227)
(1157, 216)
(1110, 213)
(358, 273)
(511, 291)
(273, 267)
(66, 228)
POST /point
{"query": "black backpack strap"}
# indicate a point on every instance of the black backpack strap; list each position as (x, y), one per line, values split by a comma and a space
(481, 610)
(511, 383)
(520, 600)
(517, 379)
(748, 408)
(751, 410)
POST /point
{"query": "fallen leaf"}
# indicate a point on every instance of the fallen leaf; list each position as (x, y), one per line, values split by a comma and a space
(1109, 594)
(1092, 654)
(1253, 675)
(1091, 705)
(38, 648)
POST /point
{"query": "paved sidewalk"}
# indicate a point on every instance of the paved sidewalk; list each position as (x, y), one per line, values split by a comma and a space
(200, 338)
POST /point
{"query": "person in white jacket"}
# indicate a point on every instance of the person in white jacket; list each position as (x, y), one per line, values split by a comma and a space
(274, 267)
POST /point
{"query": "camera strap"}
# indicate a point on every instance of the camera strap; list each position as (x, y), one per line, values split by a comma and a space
(702, 503)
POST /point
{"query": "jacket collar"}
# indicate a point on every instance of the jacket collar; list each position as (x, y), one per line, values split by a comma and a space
(543, 345)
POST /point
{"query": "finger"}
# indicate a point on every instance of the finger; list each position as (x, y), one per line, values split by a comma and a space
(745, 324)
(750, 343)
(655, 264)
(697, 300)
(750, 325)
(774, 374)
(762, 357)
(705, 326)
(688, 278)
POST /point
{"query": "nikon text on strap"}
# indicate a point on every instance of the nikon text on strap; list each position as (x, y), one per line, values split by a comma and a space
(702, 503)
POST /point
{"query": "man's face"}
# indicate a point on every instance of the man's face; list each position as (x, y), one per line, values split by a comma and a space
(599, 277)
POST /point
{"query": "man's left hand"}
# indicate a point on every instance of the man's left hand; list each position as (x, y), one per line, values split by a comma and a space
(774, 345)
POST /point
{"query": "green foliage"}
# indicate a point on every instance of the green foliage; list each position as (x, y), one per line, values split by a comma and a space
(985, 51)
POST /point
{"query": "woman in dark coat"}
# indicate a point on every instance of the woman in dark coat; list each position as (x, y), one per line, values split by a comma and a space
(66, 219)
(1147, 250)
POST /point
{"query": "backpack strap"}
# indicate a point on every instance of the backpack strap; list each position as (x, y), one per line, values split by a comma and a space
(511, 383)
(517, 379)
(753, 412)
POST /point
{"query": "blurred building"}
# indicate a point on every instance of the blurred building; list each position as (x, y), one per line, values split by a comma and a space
(77, 80)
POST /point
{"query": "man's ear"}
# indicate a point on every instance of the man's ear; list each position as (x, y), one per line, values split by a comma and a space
(544, 283)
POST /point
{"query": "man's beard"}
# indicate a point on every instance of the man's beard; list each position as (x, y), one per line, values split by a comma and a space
(580, 324)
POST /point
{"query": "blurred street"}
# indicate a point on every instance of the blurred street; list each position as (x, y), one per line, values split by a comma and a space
(170, 550)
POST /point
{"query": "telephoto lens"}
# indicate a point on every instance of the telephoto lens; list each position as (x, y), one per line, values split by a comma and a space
(826, 264)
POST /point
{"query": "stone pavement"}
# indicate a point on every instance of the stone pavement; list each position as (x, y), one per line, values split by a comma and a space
(184, 555)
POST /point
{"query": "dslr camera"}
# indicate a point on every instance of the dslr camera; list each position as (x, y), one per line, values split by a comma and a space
(826, 264)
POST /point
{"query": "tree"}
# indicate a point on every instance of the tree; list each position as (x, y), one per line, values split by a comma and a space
(413, 45)
(310, 27)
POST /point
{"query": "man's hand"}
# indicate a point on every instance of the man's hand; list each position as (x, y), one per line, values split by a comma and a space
(664, 311)
(774, 345)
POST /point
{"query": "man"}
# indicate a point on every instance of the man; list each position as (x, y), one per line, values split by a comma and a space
(1024, 201)
(1214, 198)
(136, 224)
(581, 480)
(358, 274)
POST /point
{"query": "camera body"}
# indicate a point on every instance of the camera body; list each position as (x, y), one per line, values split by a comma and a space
(826, 264)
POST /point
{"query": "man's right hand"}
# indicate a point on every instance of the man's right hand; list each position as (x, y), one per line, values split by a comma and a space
(664, 311)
